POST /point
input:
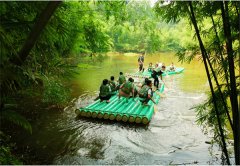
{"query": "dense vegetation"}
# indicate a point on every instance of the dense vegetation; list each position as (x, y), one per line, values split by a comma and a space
(216, 26)
(43, 42)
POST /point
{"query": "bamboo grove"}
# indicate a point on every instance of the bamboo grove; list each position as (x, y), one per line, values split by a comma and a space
(219, 47)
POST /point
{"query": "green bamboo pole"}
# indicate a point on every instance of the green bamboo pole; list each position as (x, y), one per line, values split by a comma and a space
(87, 111)
(108, 111)
(148, 116)
(120, 111)
(140, 114)
(83, 111)
(99, 109)
(103, 109)
(125, 115)
(132, 117)
(78, 111)
(113, 113)
(138, 118)
(96, 111)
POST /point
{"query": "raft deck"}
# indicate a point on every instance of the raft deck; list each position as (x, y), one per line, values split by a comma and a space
(147, 74)
(126, 110)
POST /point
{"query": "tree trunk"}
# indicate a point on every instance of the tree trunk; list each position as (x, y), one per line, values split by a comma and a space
(36, 31)
(233, 92)
(194, 22)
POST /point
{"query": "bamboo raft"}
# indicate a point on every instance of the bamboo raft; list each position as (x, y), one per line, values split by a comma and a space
(126, 110)
(147, 74)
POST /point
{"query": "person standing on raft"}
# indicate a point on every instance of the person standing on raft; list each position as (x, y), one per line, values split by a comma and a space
(113, 85)
(140, 62)
(157, 72)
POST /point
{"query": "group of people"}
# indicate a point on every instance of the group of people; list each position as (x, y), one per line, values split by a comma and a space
(151, 67)
(158, 70)
(126, 88)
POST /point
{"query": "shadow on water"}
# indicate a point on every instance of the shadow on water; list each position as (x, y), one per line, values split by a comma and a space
(172, 137)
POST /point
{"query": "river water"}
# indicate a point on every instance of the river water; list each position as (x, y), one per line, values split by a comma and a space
(172, 137)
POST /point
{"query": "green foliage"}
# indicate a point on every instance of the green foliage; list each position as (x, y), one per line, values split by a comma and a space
(211, 30)
(16, 118)
(206, 116)
(6, 157)
(142, 30)
(55, 92)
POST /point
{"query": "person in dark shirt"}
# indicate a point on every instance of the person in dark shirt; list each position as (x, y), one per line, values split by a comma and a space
(146, 93)
(141, 62)
(105, 91)
(113, 85)
(157, 72)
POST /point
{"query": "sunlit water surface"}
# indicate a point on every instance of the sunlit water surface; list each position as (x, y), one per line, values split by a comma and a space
(172, 137)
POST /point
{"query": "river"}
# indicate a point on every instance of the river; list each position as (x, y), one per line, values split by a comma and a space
(172, 137)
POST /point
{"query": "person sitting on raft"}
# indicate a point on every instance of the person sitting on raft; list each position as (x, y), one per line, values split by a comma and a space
(146, 93)
(172, 67)
(150, 67)
(113, 85)
(121, 80)
(135, 90)
(105, 91)
(163, 65)
(144, 82)
(126, 89)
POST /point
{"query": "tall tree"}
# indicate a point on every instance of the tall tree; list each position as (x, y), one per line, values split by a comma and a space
(204, 55)
(36, 31)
